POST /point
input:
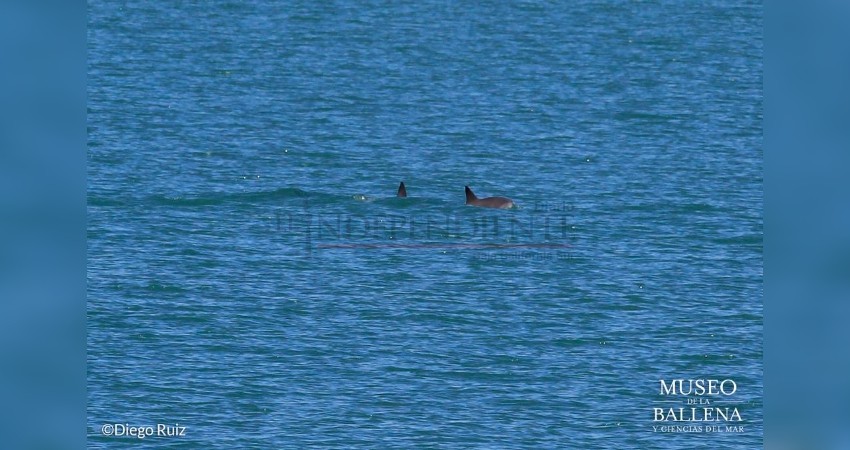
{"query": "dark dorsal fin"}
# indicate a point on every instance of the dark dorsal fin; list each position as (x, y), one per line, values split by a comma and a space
(402, 191)
(469, 195)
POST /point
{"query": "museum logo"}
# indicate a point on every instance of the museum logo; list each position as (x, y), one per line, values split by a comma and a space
(704, 405)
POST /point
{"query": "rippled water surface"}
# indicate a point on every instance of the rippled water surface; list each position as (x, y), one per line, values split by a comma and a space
(252, 277)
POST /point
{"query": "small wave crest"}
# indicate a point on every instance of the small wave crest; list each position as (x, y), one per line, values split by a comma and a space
(229, 197)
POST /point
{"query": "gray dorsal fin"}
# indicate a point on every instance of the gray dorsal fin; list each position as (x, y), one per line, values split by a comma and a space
(402, 191)
(469, 195)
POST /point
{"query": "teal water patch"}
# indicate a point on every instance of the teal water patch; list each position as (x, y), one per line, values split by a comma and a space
(223, 198)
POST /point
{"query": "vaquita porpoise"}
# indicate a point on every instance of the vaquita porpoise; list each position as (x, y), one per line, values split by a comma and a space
(488, 202)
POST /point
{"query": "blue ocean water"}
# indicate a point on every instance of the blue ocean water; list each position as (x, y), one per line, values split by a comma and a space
(252, 277)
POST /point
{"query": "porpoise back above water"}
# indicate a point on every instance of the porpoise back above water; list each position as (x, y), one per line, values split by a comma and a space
(489, 202)
(402, 191)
